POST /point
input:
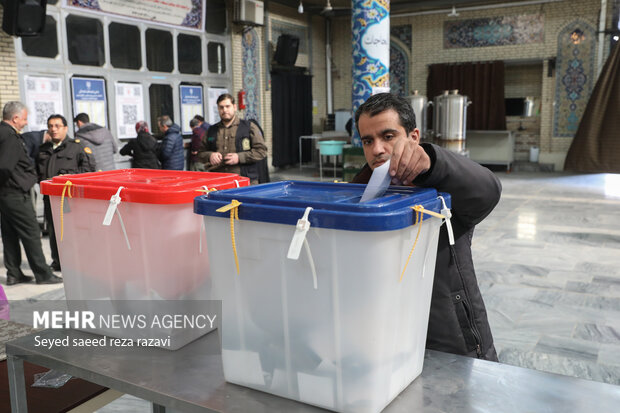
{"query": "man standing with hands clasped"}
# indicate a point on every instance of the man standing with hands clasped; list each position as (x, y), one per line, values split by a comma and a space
(19, 221)
(458, 320)
(232, 145)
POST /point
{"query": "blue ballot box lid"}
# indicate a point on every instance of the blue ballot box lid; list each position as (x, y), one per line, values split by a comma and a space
(334, 205)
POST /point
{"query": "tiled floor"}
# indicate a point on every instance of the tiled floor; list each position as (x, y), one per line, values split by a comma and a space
(548, 263)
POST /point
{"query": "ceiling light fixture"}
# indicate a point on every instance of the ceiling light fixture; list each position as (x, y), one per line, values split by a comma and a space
(300, 9)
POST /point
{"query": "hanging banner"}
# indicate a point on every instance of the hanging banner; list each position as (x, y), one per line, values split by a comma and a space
(89, 97)
(188, 14)
(129, 108)
(191, 105)
(43, 98)
(214, 93)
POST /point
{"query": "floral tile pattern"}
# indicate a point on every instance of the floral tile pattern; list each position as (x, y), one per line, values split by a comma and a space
(399, 70)
(575, 73)
(371, 37)
(249, 45)
(494, 31)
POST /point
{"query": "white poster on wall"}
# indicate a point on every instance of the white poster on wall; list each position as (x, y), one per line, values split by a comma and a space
(89, 97)
(214, 93)
(129, 108)
(43, 98)
(188, 14)
(191, 105)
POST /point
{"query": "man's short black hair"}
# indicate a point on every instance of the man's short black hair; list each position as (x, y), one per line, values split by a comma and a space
(200, 118)
(225, 96)
(384, 101)
(82, 117)
(58, 116)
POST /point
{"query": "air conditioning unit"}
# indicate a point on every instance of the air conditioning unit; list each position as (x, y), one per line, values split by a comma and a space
(250, 12)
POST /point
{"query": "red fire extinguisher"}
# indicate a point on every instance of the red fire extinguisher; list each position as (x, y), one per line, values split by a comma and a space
(240, 99)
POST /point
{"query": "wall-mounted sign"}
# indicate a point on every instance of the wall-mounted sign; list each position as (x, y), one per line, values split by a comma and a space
(89, 97)
(43, 98)
(188, 14)
(191, 105)
(214, 93)
(129, 108)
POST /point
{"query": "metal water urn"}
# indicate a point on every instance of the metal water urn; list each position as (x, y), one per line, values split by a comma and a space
(454, 116)
(438, 105)
(419, 103)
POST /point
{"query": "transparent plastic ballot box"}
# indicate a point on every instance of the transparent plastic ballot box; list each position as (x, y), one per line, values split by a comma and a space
(325, 299)
(131, 234)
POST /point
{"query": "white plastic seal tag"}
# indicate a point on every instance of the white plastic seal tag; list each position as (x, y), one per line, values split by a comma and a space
(114, 201)
(303, 225)
(445, 211)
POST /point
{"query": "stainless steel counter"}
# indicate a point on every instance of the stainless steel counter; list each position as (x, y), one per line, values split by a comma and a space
(191, 380)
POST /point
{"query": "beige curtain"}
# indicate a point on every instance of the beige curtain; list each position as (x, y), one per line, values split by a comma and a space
(596, 146)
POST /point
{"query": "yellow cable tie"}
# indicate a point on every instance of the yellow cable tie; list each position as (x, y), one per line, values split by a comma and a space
(66, 185)
(233, 207)
(419, 210)
(418, 219)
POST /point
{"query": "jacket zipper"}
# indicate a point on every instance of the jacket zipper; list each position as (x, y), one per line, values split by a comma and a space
(474, 330)
(470, 317)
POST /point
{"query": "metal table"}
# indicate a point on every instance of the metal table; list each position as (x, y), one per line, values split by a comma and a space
(191, 380)
(314, 138)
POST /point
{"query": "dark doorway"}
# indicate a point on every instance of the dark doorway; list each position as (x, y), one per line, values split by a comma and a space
(291, 107)
(160, 98)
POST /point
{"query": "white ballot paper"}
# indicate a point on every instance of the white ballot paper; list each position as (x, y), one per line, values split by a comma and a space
(378, 184)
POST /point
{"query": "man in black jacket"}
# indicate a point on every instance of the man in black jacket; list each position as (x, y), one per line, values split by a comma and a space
(458, 320)
(60, 156)
(19, 221)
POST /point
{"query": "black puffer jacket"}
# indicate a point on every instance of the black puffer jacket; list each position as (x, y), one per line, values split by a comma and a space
(458, 319)
(144, 150)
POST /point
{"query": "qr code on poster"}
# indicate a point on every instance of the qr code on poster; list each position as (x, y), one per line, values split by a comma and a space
(130, 114)
(42, 111)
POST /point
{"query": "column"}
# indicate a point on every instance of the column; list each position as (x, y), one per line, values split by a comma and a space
(370, 23)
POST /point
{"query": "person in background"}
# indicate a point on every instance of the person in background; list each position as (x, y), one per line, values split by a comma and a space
(99, 139)
(143, 149)
(33, 140)
(60, 156)
(458, 319)
(18, 220)
(171, 149)
(203, 123)
(233, 145)
(198, 135)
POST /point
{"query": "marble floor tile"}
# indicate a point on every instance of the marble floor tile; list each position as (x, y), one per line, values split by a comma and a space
(568, 347)
(599, 333)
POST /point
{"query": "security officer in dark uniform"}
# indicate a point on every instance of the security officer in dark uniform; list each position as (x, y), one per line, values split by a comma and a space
(17, 215)
(60, 156)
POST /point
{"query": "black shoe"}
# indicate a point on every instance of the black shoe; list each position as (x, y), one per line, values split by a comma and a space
(55, 266)
(10, 280)
(52, 280)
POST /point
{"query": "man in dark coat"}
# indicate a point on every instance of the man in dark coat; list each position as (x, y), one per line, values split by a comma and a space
(17, 215)
(99, 139)
(60, 156)
(143, 149)
(458, 320)
(171, 153)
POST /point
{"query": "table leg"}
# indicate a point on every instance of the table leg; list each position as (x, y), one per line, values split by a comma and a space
(17, 384)
(158, 408)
